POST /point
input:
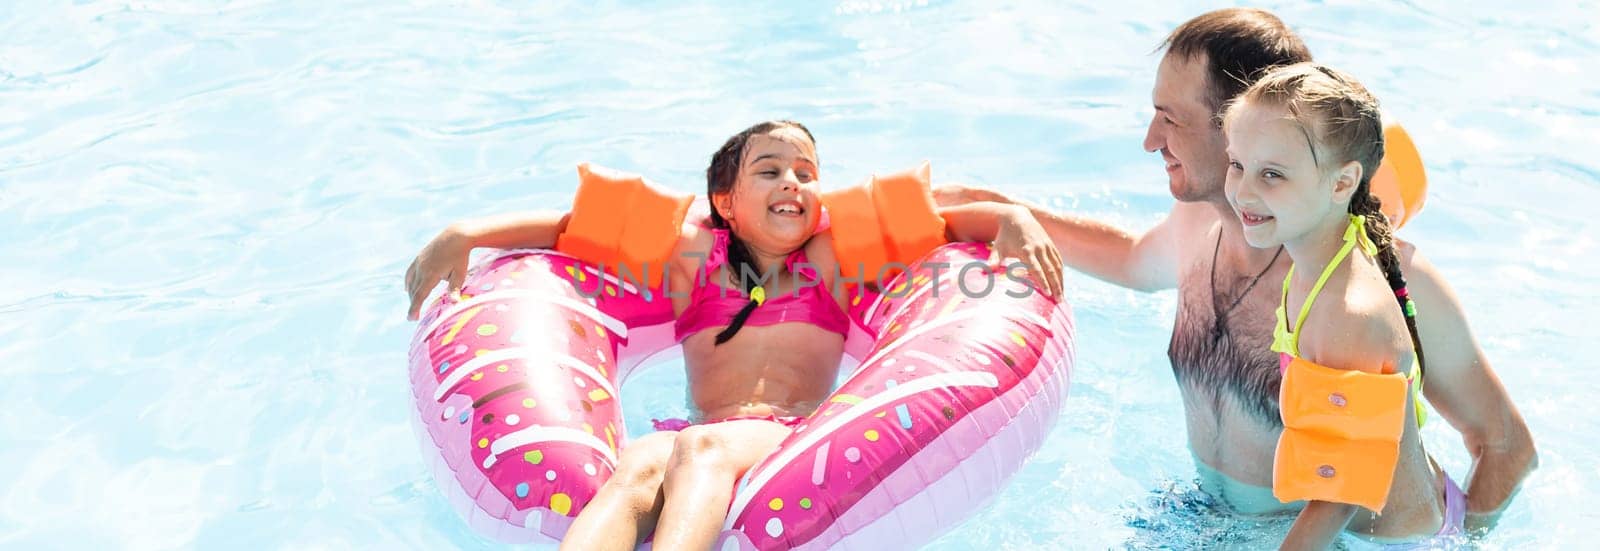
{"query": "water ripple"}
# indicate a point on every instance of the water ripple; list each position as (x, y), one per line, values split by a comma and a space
(207, 208)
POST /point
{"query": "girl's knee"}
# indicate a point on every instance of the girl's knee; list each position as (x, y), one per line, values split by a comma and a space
(699, 446)
(640, 475)
(646, 457)
(643, 466)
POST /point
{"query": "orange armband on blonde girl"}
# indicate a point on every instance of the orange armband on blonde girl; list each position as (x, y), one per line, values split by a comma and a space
(1341, 435)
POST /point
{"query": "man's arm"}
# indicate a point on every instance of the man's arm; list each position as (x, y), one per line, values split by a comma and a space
(1462, 387)
(1146, 262)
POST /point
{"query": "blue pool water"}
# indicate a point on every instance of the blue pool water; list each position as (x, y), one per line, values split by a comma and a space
(206, 209)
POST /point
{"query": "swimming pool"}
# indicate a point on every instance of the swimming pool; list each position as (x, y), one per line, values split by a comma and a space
(207, 209)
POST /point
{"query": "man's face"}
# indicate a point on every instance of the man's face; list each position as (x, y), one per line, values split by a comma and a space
(1185, 132)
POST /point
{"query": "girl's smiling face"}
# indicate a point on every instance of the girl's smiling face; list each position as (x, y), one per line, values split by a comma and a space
(775, 204)
(1274, 182)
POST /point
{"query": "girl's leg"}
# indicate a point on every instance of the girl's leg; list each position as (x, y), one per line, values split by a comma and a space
(706, 462)
(625, 509)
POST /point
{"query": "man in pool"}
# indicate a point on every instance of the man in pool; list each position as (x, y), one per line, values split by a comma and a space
(1228, 376)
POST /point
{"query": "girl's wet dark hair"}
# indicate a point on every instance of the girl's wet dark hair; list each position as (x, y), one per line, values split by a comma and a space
(1343, 123)
(721, 176)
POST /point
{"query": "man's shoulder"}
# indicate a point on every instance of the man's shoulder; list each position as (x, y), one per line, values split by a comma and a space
(1419, 272)
(1193, 215)
(1191, 225)
(1407, 253)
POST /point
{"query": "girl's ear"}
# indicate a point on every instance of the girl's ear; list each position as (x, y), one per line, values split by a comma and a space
(1346, 182)
(723, 202)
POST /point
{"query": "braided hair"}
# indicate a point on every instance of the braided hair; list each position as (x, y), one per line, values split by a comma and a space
(1347, 124)
(721, 176)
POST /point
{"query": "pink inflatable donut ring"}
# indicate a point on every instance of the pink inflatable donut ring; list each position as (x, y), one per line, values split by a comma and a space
(958, 375)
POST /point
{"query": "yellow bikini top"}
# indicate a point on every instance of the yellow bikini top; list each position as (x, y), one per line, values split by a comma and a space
(1286, 340)
(1341, 427)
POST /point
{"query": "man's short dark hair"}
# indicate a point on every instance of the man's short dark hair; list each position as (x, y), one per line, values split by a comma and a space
(1240, 44)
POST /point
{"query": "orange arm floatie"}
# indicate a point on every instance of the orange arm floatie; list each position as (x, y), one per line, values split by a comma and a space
(620, 220)
(1400, 182)
(1341, 435)
(886, 220)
